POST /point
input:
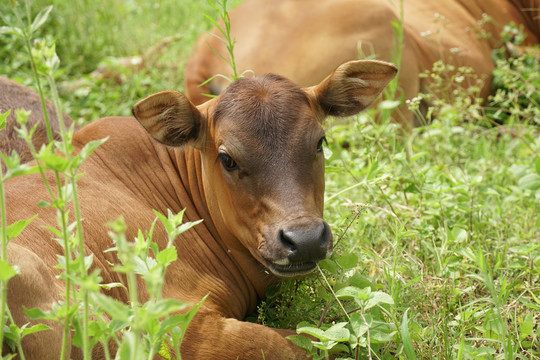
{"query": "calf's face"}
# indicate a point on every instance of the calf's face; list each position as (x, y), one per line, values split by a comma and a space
(261, 145)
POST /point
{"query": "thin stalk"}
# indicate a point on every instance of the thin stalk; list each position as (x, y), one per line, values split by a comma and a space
(80, 238)
(27, 36)
(133, 298)
(67, 256)
(86, 344)
(3, 256)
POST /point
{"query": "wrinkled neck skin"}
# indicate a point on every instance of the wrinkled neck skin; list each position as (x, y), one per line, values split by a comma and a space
(142, 176)
(252, 278)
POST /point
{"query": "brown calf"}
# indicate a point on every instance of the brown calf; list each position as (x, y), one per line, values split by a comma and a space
(305, 39)
(249, 163)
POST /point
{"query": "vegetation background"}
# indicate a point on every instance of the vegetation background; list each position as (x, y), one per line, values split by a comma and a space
(437, 232)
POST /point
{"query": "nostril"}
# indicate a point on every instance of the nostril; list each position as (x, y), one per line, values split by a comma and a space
(307, 243)
(286, 238)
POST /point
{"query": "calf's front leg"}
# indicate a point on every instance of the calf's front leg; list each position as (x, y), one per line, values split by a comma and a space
(212, 336)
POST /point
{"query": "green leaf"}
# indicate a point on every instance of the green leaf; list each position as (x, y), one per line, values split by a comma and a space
(406, 337)
(537, 164)
(378, 297)
(348, 261)
(11, 30)
(165, 221)
(40, 18)
(34, 329)
(167, 256)
(6, 271)
(530, 181)
(186, 226)
(164, 351)
(17, 227)
(38, 314)
(329, 265)
(88, 149)
(358, 325)
(54, 162)
(352, 292)
(338, 332)
(164, 307)
(302, 342)
(3, 119)
(311, 330)
(116, 309)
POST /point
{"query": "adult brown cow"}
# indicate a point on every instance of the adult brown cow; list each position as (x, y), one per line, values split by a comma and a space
(305, 39)
(249, 163)
(15, 96)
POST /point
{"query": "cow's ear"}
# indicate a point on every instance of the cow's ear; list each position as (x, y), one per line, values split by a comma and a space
(170, 118)
(352, 87)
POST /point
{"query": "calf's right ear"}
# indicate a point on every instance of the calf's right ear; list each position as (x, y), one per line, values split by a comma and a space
(352, 86)
(170, 118)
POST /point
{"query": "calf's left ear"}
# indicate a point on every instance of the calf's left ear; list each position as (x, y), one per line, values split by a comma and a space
(170, 118)
(352, 87)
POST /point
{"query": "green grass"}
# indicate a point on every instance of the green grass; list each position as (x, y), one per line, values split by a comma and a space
(437, 232)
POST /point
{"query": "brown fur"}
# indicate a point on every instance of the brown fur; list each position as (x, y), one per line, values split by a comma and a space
(262, 220)
(16, 96)
(304, 39)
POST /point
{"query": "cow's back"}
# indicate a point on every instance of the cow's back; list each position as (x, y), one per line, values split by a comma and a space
(306, 39)
(16, 96)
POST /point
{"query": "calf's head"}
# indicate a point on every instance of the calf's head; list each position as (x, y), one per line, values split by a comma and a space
(261, 144)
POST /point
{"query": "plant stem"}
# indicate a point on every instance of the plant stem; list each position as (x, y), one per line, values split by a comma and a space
(3, 255)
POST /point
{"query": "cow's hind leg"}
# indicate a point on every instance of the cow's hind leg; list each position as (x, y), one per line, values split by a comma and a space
(35, 286)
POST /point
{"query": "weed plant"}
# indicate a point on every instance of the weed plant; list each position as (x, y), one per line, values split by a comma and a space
(437, 233)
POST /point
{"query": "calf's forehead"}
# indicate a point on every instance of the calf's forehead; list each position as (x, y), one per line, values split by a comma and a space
(268, 112)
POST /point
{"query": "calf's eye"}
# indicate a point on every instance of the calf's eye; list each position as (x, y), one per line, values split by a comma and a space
(228, 163)
(320, 144)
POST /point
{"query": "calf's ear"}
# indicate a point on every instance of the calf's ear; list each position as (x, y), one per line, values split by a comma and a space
(170, 118)
(352, 86)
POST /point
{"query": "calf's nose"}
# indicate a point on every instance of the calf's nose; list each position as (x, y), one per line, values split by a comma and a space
(303, 245)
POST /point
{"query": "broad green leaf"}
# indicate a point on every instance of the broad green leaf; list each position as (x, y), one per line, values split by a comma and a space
(6, 271)
(313, 331)
(348, 261)
(338, 332)
(301, 341)
(352, 292)
(164, 307)
(116, 309)
(54, 162)
(17, 227)
(329, 265)
(167, 256)
(530, 181)
(37, 313)
(378, 297)
(360, 281)
(11, 30)
(537, 164)
(34, 329)
(358, 325)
